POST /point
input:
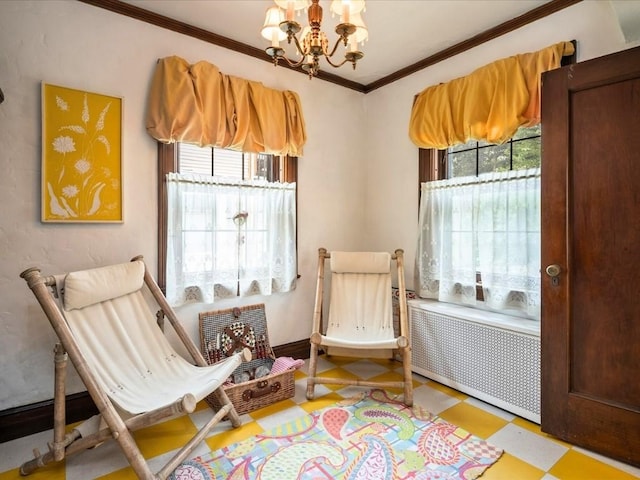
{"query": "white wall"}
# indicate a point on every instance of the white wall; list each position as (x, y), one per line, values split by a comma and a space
(392, 183)
(344, 171)
(76, 45)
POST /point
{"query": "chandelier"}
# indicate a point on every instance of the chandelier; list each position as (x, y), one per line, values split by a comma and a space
(313, 43)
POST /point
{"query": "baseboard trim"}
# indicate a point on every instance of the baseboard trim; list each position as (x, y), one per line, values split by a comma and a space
(26, 420)
(298, 349)
(29, 419)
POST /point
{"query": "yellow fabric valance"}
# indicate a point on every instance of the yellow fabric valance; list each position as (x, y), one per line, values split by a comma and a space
(200, 105)
(489, 104)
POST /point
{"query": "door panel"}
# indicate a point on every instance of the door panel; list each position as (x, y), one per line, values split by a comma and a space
(591, 229)
(605, 202)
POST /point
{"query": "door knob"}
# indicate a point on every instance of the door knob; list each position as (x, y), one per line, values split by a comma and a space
(553, 270)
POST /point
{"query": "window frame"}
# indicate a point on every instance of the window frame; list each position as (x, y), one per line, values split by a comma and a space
(479, 147)
(168, 162)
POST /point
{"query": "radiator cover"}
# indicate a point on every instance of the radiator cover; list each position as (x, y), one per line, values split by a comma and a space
(497, 365)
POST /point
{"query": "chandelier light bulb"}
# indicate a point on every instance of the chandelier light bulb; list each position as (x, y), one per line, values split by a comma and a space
(354, 6)
(361, 34)
(271, 28)
(344, 18)
(292, 6)
(295, 4)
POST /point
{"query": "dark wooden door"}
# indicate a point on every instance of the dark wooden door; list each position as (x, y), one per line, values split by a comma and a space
(591, 254)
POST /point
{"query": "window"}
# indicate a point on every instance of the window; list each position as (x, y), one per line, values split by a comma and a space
(522, 151)
(227, 223)
(480, 224)
(219, 162)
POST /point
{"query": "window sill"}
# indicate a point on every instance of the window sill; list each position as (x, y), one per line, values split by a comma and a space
(484, 317)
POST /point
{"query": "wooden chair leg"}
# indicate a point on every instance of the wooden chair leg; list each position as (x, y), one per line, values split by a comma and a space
(408, 376)
(223, 399)
(313, 363)
(133, 454)
(59, 407)
(193, 443)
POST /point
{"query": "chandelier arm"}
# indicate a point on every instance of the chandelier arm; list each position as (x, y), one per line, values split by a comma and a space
(335, 47)
(335, 65)
(293, 64)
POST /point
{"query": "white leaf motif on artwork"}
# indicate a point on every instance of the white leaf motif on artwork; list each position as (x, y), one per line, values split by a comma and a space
(55, 206)
(68, 207)
(85, 110)
(105, 141)
(61, 104)
(96, 200)
(100, 122)
(74, 128)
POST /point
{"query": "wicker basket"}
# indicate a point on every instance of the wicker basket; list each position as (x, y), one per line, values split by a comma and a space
(223, 332)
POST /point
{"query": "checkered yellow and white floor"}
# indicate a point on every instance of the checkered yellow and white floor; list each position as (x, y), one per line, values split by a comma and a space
(529, 453)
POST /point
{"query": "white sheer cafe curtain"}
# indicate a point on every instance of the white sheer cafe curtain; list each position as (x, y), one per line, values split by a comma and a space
(488, 224)
(229, 238)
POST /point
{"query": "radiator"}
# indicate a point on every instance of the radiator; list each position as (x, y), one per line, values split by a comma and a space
(479, 354)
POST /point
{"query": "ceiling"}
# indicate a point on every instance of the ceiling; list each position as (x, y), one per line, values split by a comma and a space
(401, 32)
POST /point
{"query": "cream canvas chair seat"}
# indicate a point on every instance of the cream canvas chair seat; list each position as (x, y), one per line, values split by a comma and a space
(360, 316)
(133, 374)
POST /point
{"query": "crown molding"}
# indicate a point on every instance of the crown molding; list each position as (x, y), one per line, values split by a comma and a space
(162, 21)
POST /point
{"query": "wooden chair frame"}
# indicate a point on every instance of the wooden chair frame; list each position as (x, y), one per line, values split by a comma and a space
(65, 444)
(403, 342)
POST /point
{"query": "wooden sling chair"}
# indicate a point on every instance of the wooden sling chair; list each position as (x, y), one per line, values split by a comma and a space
(104, 323)
(360, 316)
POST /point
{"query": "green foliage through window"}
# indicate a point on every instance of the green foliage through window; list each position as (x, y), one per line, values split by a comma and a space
(522, 151)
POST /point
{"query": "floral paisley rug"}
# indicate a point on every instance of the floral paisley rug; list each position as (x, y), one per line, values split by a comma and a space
(368, 437)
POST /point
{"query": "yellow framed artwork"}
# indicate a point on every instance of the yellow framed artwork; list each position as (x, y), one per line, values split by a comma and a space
(81, 156)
